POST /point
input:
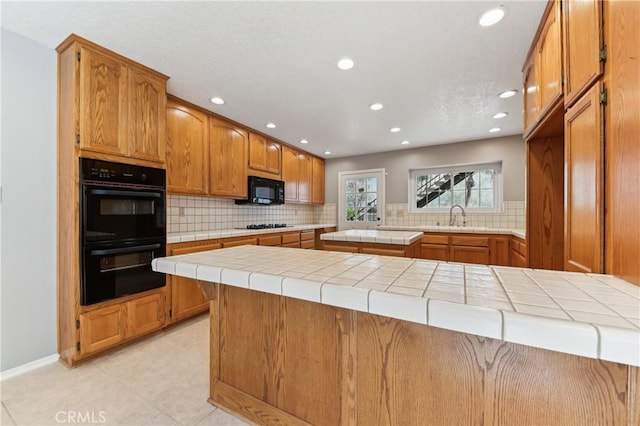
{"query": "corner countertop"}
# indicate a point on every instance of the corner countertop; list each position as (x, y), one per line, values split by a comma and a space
(520, 233)
(591, 315)
(374, 236)
(182, 237)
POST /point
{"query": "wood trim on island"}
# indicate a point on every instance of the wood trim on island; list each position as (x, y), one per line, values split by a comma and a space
(277, 360)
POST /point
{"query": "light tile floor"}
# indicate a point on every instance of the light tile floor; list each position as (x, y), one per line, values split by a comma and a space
(161, 380)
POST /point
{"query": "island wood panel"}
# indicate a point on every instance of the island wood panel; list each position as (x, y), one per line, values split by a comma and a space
(289, 358)
(545, 202)
(622, 133)
(584, 180)
(412, 374)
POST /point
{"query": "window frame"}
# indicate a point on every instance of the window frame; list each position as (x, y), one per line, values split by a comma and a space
(498, 186)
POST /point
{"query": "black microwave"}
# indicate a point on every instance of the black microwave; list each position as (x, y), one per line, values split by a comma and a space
(263, 191)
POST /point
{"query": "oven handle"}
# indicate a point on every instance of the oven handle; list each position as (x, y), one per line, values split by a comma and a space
(126, 193)
(124, 250)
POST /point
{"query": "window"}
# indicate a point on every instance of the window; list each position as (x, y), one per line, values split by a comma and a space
(476, 187)
(361, 199)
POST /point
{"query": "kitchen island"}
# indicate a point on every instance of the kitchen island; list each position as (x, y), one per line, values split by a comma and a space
(316, 337)
(368, 241)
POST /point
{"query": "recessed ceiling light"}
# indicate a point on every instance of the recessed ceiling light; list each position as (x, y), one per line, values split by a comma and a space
(491, 17)
(405, 142)
(270, 125)
(304, 141)
(494, 129)
(507, 94)
(345, 64)
(327, 153)
(394, 129)
(376, 107)
(501, 115)
(217, 100)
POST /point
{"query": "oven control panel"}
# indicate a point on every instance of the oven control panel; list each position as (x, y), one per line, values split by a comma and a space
(98, 170)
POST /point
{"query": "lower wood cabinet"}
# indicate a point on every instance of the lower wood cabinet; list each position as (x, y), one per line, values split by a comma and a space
(470, 254)
(399, 250)
(106, 327)
(187, 299)
(484, 249)
(518, 253)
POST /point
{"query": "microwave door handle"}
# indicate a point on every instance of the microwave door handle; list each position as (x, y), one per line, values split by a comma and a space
(124, 250)
(126, 193)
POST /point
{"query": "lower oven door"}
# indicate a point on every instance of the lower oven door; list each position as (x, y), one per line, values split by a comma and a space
(113, 271)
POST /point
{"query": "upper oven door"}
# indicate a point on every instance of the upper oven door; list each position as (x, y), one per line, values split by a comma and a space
(120, 213)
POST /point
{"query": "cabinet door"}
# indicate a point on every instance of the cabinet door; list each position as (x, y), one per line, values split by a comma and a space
(305, 178)
(227, 159)
(317, 186)
(187, 155)
(531, 102)
(466, 254)
(186, 297)
(264, 154)
(383, 251)
(290, 167)
(518, 260)
(550, 60)
(103, 103)
(145, 315)
(147, 112)
(584, 179)
(582, 24)
(434, 252)
(101, 329)
(499, 251)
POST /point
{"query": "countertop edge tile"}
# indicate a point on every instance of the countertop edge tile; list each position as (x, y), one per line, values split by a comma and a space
(343, 296)
(399, 306)
(550, 333)
(619, 345)
(470, 319)
(266, 282)
(235, 277)
(299, 288)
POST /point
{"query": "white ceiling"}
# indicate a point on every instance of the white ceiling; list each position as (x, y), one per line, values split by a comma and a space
(437, 72)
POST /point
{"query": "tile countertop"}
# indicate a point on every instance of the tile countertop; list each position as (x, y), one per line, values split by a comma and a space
(182, 237)
(590, 315)
(455, 229)
(373, 236)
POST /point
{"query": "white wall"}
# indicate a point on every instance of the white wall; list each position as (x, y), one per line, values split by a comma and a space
(28, 170)
(509, 149)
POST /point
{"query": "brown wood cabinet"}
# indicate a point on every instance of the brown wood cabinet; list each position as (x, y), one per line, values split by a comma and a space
(101, 329)
(518, 252)
(435, 247)
(265, 157)
(584, 184)
(499, 248)
(317, 184)
(187, 299)
(543, 71)
(470, 249)
(582, 44)
(307, 239)
(399, 250)
(187, 149)
(484, 249)
(299, 177)
(120, 105)
(144, 315)
(227, 159)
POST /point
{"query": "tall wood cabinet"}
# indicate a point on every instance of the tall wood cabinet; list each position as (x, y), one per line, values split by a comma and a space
(113, 109)
(303, 176)
(187, 149)
(121, 105)
(566, 155)
(227, 159)
(318, 179)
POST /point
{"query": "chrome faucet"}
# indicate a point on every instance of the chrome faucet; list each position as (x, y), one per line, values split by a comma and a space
(452, 218)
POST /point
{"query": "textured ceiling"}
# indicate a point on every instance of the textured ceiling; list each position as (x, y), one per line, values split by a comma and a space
(437, 72)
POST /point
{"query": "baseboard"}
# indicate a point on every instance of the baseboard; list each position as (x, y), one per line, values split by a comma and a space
(30, 366)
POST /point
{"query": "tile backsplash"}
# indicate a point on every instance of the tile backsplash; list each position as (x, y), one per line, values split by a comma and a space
(512, 217)
(186, 213)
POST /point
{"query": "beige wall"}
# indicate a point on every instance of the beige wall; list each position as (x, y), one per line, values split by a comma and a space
(509, 149)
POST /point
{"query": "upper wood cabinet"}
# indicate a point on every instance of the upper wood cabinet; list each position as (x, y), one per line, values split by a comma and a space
(317, 166)
(121, 104)
(582, 27)
(265, 157)
(227, 159)
(542, 72)
(187, 149)
(301, 183)
(584, 183)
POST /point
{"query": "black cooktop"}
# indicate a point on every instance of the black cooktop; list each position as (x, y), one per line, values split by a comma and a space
(267, 226)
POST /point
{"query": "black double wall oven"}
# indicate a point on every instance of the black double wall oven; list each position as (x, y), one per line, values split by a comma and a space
(122, 229)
